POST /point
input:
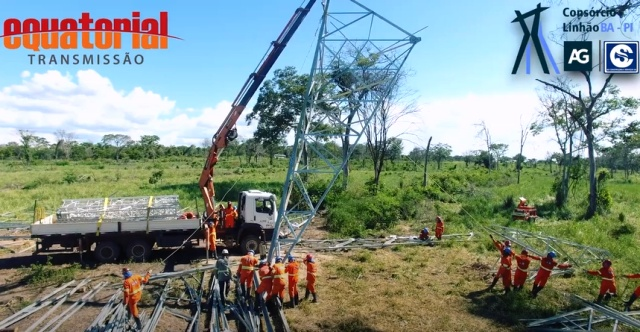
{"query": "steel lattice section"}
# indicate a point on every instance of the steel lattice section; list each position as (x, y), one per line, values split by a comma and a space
(119, 208)
(352, 43)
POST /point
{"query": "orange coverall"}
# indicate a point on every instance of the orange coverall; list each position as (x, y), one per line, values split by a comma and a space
(505, 271)
(278, 283)
(245, 270)
(546, 266)
(439, 228)
(636, 292)
(265, 281)
(133, 292)
(230, 216)
(312, 269)
(292, 270)
(210, 233)
(521, 274)
(608, 283)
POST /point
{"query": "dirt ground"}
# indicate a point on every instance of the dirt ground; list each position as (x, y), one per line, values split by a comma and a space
(410, 289)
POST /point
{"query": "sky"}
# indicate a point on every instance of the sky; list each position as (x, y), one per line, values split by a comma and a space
(460, 71)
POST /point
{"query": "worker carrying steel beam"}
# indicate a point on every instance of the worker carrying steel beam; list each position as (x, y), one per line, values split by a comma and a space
(292, 267)
(264, 272)
(278, 275)
(547, 264)
(501, 247)
(132, 293)
(223, 271)
(245, 271)
(522, 265)
(608, 283)
(312, 270)
(439, 227)
(635, 294)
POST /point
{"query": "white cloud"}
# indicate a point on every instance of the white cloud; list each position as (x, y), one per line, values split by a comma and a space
(90, 106)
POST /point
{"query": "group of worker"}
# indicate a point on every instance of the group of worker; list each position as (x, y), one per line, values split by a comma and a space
(228, 216)
(547, 264)
(425, 235)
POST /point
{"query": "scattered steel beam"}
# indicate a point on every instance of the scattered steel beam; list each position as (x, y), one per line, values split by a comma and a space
(374, 243)
(36, 306)
(56, 306)
(152, 322)
(71, 310)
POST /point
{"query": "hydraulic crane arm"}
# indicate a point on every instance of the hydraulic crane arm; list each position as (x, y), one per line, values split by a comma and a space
(227, 131)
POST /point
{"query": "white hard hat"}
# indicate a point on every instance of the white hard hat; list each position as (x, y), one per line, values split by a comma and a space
(225, 251)
(523, 199)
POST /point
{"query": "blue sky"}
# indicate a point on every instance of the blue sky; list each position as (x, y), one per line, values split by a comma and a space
(466, 54)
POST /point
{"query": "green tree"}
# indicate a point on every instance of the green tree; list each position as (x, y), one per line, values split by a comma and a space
(118, 141)
(440, 153)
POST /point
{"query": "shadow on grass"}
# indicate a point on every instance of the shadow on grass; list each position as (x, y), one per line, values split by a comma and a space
(348, 324)
(225, 190)
(509, 309)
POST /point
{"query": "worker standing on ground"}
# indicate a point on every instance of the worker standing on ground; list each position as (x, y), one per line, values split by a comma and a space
(264, 272)
(635, 294)
(547, 264)
(312, 270)
(439, 227)
(501, 247)
(278, 275)
(230, 216)
(245, 271)
(424, 234)
(133, 293)
(292, 269)
(210, 234)
(505, 270)
(608, 283)
(224, 275)
(522, 265)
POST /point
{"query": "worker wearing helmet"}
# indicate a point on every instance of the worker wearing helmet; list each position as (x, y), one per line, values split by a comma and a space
(501, 247)
(292, 267)
(504, 272)
(439, 227)
(133, 293)
(424, 234)
(210, 235)
(264, 272)
(547, 265)
(230, 216)
(635, 294)
(608, 282)
(522, 265)
(312, 270)
(279, 276)
(245, 271)
(223, 272)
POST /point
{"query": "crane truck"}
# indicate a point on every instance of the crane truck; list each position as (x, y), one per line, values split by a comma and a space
(257, 212)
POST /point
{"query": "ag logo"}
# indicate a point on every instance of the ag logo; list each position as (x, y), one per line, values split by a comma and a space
(577, 56)
(620, 57)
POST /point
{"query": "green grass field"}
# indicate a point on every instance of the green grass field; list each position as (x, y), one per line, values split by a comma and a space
(465, 197)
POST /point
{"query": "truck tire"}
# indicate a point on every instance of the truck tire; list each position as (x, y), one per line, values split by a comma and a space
(249, 242)
(138, 251)
(106, 252)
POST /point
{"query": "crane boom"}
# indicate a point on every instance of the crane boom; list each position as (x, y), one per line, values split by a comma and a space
(227, 131)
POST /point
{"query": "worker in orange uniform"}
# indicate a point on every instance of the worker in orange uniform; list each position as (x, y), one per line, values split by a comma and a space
(522, 264)
(264, 272)
(504, 271)
(312, 270)
(608, 283)
(230, 216)
(424, 234)
(210, 234)
(439, 227)
(278, 281)
(292, 268)
(133, 293)
(245, 271)
(635, 294)
(501, 247)
(547, 264)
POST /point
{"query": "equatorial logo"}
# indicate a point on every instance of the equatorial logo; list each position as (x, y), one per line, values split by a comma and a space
(620, 57)
(578, 55)
(537, 39)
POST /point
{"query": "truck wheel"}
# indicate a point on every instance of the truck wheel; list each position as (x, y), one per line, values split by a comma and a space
(249, 242)
(138, 251)
(106, 252)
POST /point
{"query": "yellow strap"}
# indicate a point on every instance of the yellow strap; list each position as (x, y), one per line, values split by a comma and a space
(247, 268)
(104, 211)
(280, 276)
(523, 270)
(544, 268)
(149, 211)
(608, 279)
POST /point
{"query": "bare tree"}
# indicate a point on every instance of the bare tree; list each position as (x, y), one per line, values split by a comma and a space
(64, 141)
(485, 135)
(588, 114)
(525, 129)
(498, 150)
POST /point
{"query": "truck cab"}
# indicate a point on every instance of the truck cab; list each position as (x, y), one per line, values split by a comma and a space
(257, 214)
